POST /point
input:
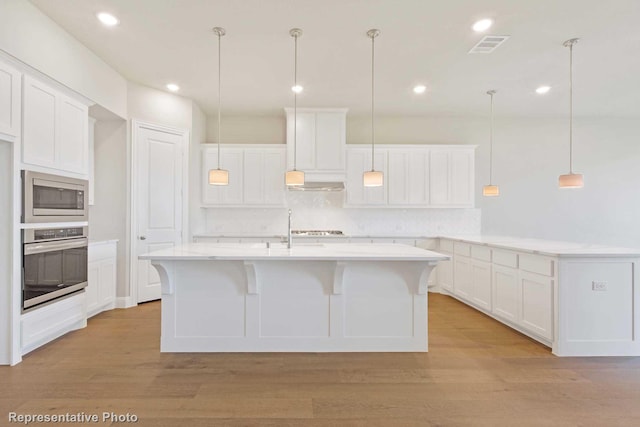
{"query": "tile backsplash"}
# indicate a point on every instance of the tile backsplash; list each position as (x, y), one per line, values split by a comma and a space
(324, 211)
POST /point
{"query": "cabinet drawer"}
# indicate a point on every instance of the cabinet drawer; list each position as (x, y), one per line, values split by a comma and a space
(98, 251)
(446, 245)
(481, 253)
(429, 244)
(508, 259)
(462, 248)
(536, 264)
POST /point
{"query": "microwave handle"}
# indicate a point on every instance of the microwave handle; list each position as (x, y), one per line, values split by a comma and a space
(37, 248)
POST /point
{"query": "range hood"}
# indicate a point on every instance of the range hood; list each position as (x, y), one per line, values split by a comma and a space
(318, 186)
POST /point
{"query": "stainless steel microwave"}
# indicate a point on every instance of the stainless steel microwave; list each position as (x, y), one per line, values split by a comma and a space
(53, 198)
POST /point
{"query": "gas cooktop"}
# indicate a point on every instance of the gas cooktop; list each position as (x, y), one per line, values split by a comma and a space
(317, 233)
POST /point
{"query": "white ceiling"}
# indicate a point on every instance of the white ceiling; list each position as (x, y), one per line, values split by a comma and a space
(422, 41)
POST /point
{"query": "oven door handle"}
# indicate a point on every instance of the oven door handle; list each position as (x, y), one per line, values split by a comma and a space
(38, 248)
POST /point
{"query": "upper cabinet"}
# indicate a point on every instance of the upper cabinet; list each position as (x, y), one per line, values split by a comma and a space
(9, 100)
(256, 175)
(321, 142)
(55, 129)
(451, 177)
(359, 161)
(421, 176)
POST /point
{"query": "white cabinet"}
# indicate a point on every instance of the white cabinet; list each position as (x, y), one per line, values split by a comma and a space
(101, 288)
(55, 129)
(537, 303)
(517, 288)
(9, 100)
(451, 177)
(320, 142)
(92, 163)
(359, 161)
(407, 172)
(231, 160)
(256, 175)
(414, 176)
(462, 276)
(506, 291)
(264, 177)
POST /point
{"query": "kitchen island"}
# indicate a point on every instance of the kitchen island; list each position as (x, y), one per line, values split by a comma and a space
(309, 298)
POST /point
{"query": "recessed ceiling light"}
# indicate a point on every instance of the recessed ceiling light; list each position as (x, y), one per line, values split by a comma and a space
(543, 89)
(173, 87)
(482, 25)
(108, 19)
(420, 89)
(297, 88)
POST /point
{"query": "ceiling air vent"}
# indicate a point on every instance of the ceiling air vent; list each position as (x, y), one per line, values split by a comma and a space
(488, 44)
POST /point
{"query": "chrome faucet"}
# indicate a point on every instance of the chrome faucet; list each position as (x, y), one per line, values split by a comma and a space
(289, 235)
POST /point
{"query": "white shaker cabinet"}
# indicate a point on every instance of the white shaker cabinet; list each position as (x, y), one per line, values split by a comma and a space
(359, 161)
(256, 175)
(451, 177)
(101, 288)
(408, 177)
(320, 142)
(40, 111)
(415, 176)
(537, 303)
(231, 160)
(506, 290)
(264, 177)
(9, 100)
(55, 129)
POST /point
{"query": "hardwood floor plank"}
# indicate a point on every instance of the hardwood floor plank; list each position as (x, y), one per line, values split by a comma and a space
(477, 373)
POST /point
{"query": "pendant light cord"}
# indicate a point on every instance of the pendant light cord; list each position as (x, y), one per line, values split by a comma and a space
(491, 93)
(571, 107)
(295, 101)
(373, 138)
(219, 94)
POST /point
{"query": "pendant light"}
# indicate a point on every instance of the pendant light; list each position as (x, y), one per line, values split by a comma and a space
(219, 176)
(491, 190)
(372, 178)
(295, 177)
(571, 180)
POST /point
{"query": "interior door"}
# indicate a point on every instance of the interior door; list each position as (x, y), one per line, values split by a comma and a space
(159, 202)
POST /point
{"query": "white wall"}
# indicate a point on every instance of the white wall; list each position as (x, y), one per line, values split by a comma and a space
(248, 129)
(529, 154)
(33, 38)
(108, 215)
(158, 107)
(6, 246)
(198, 136)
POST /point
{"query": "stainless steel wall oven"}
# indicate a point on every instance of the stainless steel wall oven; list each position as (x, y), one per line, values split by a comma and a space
(54, 264)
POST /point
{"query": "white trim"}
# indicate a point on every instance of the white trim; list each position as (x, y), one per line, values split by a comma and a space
(136, 124)
(16, 260)
(125, 302)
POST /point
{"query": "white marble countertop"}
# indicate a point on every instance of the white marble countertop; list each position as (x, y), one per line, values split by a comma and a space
(297, 236)
(300, 251)
(547, 247)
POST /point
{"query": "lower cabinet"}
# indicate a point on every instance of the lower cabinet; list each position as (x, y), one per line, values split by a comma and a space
(101, 288)
(506, 292)
(516, 288)
(537, 303)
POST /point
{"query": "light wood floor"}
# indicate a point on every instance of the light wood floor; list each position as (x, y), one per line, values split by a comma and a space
(477, 372)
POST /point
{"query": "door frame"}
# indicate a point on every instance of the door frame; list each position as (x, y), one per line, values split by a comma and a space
(132, 238)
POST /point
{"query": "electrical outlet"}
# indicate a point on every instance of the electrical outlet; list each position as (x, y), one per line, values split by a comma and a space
(598, 286)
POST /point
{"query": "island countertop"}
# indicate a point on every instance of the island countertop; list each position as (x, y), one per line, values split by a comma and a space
(299, 251)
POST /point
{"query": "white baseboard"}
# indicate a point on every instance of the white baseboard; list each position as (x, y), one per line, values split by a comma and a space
(125, 302)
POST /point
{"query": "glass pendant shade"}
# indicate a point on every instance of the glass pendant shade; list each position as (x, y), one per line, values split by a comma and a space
(218, 177)
(373, 179)
(294, 177)
(571, 180)
(490, 190)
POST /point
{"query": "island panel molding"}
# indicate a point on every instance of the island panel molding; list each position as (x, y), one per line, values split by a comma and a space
(310, 298)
